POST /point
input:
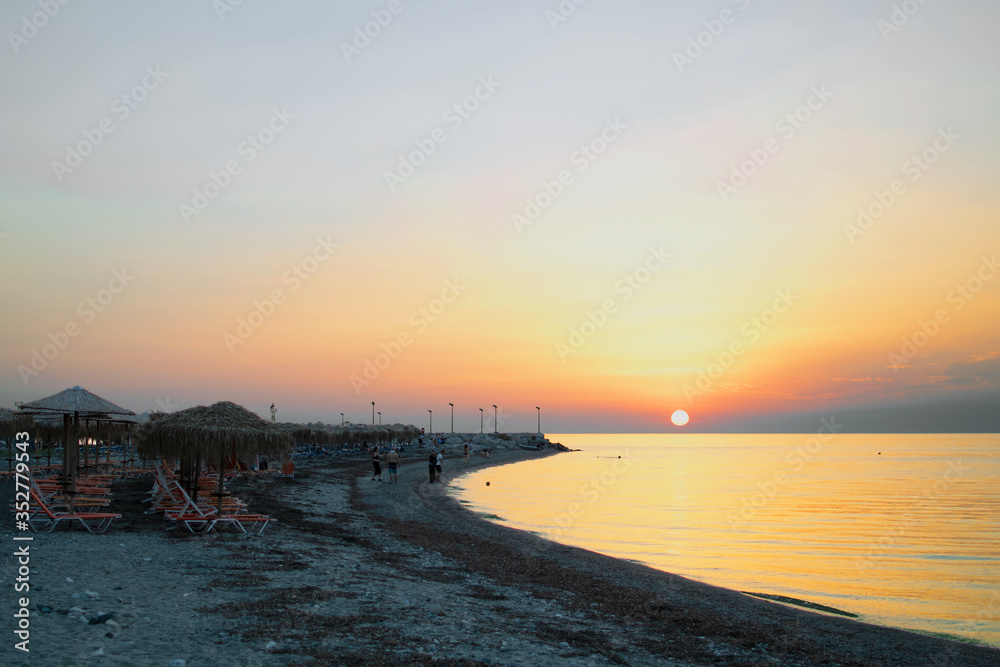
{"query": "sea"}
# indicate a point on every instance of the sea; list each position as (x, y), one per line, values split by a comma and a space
(901, 530)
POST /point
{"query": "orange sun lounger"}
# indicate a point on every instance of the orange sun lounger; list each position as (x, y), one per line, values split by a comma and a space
(45, 517)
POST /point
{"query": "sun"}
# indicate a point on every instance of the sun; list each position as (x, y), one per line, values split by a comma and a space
(679, 418)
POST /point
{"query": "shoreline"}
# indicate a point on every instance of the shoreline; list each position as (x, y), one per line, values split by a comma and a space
(360, 572)
(794, 629)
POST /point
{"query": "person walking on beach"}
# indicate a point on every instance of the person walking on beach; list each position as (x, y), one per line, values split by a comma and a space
(392, 458)
(465, 454)
(431, 468)
(375, 464)
(437, 464)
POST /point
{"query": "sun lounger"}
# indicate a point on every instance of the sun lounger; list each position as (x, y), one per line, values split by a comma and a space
(46, 517)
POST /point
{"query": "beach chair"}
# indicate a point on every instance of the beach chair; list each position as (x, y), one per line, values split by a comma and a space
(46, 517)
(287, 470)
(256, 522)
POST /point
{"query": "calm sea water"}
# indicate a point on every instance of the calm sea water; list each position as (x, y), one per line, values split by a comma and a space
(903, 530)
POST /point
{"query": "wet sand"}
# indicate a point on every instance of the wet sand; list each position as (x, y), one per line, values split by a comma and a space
(360, 572)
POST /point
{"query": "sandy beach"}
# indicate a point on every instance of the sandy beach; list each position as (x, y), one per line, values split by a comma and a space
(361, 572)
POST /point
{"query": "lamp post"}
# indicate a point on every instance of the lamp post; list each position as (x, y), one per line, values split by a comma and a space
(452, 417)
(341, 418)
(480, 421)
(539, 418)
(373, 413)
(494, 419)
(380, 418)
(430, 423)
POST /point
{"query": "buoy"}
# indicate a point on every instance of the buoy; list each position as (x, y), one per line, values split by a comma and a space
(487, 483)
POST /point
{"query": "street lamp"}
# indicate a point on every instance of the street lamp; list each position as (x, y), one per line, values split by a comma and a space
(452, 417)
(430, 424)
(380, 418)
(480, 420)
(373, 413)
(341, 418)
(494, 419)
(539, 418)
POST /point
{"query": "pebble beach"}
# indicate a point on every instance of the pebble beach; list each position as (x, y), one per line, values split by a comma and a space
(360, 572)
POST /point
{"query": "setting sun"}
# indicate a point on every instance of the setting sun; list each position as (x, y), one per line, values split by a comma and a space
(679, 418)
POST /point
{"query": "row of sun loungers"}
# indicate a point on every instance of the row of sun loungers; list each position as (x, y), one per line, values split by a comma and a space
(170, 498)
(50, 504)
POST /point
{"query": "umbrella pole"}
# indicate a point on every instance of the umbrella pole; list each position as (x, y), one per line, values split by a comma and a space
(222, 475)
(196, 477)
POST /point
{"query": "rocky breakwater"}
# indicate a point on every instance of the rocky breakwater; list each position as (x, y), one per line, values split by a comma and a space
(480, 443)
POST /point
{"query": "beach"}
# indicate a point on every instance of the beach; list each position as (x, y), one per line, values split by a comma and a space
(362, 572)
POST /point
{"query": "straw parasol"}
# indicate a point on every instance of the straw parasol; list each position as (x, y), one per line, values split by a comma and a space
(76, 402)
(10, 423)
(219, 429)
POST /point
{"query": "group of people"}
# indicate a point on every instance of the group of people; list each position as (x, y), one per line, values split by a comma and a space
(434, 464)
(391, 460)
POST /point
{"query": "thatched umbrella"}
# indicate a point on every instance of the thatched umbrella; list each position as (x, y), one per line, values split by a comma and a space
(78, 402)
(10, 423)
(218, 429)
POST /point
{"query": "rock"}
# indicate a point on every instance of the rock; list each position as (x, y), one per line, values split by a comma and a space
(91, 595)
(101, 618)
(69, 580)
(270, 645)
(178, 663)
(75, 610)
(99, 651)
(563, 644)
(113, 624)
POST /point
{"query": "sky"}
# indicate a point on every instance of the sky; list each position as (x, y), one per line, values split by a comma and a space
(590, 214)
